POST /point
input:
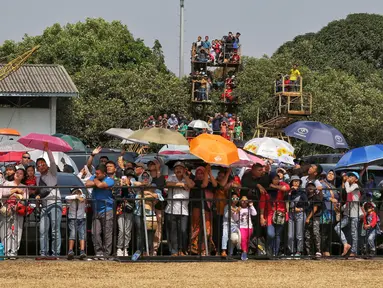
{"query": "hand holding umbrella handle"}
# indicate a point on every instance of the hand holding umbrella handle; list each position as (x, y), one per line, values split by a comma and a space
(46, 146)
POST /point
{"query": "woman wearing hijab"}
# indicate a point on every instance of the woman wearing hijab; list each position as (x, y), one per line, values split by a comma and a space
(205, 184)
(330, 202)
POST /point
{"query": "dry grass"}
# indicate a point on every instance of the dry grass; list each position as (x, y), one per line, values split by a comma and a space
(250, 274)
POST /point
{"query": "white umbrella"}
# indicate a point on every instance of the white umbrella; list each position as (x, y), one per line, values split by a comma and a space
(35, 154)
(286, 159)
(123, 134)
(271, 148)
(199, 124)
(13, 146)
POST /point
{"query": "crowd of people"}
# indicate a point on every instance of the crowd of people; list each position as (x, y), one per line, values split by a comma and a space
(227, 125)
(217, 51)
(200, 213)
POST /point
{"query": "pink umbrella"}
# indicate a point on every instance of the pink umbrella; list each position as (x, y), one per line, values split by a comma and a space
(10, 156)
(246, 160)
(37, 141)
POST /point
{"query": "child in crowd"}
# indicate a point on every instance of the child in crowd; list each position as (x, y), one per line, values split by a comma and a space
(76, 222)
(370, 221)
(235, 234)
(245, 224)
(238, 131)
(296, 204)
(313, 212)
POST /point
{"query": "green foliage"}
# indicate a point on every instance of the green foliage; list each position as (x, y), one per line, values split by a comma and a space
(120, 80)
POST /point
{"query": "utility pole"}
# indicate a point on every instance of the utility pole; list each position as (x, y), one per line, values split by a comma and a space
(181, 64)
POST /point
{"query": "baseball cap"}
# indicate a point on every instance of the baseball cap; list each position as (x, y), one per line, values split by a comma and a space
(142, 165)
(349, 174)
(180, 164)
(310, 183)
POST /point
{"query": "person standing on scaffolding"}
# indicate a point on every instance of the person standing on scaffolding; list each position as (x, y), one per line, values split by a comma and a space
(295, 76)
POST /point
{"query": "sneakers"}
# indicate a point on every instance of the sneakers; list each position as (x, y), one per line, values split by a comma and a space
(70, 255)
(223, 254)
(298, 255)
(82, 255)
(120, 253)
(318, 255)
(244, 256)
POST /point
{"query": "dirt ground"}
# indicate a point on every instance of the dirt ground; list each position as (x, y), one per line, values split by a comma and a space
(351, 273)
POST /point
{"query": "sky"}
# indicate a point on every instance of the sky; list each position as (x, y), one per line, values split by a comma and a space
(264, 24)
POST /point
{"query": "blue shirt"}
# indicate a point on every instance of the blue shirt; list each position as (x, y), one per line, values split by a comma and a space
(206, 44)
(103, 198)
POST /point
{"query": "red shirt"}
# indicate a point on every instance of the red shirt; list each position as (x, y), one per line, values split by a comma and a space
(31, 181)
(270, 206)
(372, 218)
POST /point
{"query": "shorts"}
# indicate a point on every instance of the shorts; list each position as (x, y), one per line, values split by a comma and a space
(78, 224)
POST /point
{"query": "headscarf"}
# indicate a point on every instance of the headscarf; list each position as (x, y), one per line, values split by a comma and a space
(150, 179)
(200, 168)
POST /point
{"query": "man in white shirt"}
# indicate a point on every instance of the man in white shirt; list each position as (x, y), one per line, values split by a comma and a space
(177, 211)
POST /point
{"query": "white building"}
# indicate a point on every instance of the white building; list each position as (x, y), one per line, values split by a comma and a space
(28, 97)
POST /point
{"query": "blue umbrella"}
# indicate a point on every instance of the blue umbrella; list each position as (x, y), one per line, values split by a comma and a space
(362, 155)
(317, 133)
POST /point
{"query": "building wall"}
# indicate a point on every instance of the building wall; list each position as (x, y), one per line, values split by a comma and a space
(27, 120)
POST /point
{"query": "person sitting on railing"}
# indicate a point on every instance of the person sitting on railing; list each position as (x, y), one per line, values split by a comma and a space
(295, 77)
(202, 55)
(235, 58)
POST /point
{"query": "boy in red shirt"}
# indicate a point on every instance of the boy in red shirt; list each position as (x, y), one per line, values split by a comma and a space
(370, 219)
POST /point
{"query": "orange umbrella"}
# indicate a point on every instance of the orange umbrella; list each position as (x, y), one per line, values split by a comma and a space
(214, 149)
(9, 132)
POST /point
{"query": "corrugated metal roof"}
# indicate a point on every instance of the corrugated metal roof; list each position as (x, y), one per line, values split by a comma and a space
(32, 80)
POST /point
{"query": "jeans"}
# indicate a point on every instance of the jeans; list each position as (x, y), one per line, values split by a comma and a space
(176, 231)
(140, 233)
(354, 231)
(295, 231)
(50, 217)
(202, 94)
(125, 224)
(274, 234)
(102, 224)
(371, 235)
(76, 226)
(312, 232)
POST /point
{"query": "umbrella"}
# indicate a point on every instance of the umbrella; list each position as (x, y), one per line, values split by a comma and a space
(13, 146)
(286, 159)
(73, 141)
(317, 133)
(214, 149)
(199, 124)
(159, 136)
(60, 157)
(123, 134)
(363, 155)
(271, 148)
(246, 160)
(37, 141)
(11, 156)
(9, 132)
(174, 150)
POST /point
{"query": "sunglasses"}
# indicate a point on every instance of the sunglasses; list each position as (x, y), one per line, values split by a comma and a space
(26, 157)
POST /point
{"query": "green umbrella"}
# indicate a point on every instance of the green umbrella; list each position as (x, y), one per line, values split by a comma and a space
(73, 141)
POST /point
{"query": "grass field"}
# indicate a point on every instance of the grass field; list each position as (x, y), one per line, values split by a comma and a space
(351, 273)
